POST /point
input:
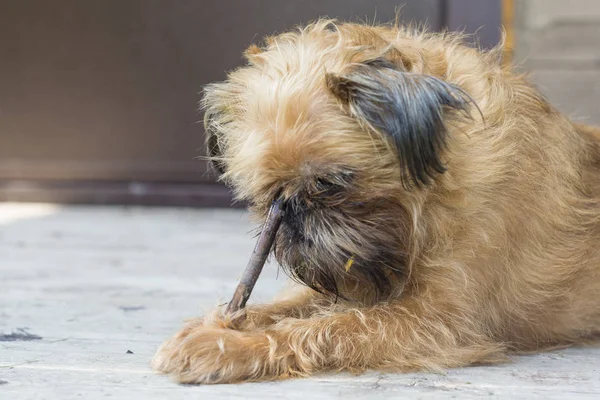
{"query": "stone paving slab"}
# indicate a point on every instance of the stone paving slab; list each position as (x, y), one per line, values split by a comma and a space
(88, 293)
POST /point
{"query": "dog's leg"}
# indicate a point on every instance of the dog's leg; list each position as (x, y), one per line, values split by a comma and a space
(296, 302)
(409, 335)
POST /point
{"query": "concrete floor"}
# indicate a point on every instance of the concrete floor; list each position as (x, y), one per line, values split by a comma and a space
(88, 293)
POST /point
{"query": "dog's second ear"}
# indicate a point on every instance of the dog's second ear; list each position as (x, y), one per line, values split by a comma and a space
(217, 100)
(215, 153)
(411, 109)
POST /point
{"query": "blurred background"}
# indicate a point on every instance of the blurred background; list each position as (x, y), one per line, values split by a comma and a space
(98, 99)
(99, 106)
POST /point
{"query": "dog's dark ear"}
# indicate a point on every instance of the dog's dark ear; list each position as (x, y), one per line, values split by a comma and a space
(215, 102)
(214, 150)
(411, 109)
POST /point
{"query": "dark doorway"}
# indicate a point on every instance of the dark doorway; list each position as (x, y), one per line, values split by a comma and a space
(98, 99)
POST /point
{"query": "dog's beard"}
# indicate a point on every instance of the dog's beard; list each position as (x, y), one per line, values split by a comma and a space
(316, 241)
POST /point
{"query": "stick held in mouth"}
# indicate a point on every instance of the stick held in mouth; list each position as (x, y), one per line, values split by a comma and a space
(258, 258)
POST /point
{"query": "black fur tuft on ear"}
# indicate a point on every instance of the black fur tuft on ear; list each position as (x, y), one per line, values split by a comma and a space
(409, 108)
(212, 143)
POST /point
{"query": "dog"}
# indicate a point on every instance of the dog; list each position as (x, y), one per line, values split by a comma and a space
(440, 212)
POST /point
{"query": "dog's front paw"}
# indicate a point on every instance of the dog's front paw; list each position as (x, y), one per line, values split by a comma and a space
(202, 353)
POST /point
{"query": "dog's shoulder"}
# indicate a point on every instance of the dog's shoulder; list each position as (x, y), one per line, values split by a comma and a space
(592, 136)
(589, 131)
(592, 172)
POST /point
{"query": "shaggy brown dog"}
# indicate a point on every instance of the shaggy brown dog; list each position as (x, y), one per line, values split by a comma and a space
(440, 212)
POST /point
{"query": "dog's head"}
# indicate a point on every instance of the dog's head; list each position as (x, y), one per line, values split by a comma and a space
(348, 123)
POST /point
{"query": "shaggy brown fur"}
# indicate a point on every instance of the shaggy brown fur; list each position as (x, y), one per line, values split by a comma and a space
(470, 205)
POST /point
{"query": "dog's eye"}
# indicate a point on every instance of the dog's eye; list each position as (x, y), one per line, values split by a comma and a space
(334, 183)
(324, 184)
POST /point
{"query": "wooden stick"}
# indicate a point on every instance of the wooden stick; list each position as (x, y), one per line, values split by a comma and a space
(258, 258)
